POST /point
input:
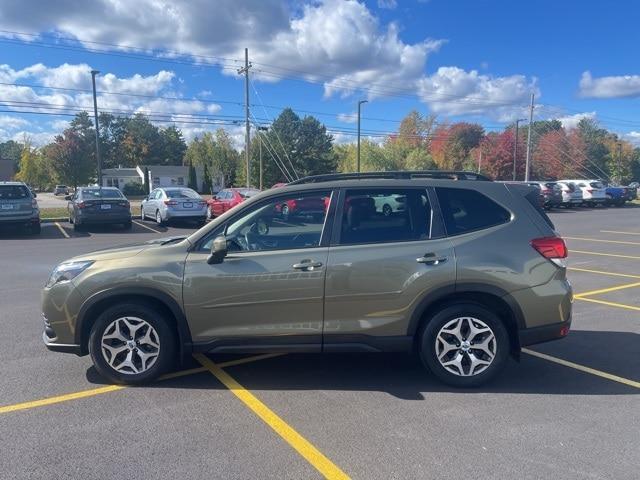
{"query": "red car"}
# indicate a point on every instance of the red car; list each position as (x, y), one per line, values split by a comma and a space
(227, 199)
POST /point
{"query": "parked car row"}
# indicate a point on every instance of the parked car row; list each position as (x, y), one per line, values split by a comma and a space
(573, 193)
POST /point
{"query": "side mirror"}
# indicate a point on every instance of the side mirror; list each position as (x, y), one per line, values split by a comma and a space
(35, 194)
(218, 250)
(67, 197)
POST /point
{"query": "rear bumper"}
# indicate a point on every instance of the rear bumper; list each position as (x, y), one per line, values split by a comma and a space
(105, 218)
(20, 221)
(545, 333)
(200, 214)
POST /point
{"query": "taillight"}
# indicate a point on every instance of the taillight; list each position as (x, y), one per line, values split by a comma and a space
(123, 204)
(34, 203)
(589, 190)
(552, 248)
(170, 203)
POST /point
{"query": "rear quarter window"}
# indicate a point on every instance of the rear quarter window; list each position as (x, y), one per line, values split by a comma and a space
(468, 210)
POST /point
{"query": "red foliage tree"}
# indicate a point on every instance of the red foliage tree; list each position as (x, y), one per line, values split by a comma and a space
(559, 155)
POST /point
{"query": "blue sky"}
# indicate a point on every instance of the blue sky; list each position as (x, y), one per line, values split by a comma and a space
(458, 59)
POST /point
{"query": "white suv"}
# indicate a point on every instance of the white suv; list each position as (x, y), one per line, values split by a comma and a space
(571, 194)
(593, 191)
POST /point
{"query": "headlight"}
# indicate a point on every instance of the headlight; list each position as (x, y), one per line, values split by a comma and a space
(67, 271)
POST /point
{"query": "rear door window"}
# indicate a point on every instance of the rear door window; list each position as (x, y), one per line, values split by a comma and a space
(385, 215)
(468, 210)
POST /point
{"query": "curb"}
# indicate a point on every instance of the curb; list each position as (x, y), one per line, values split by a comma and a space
(66, 219)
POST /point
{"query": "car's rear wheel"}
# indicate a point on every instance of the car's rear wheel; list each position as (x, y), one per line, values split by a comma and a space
(132, 343)
(159, 220)
(143, 217)
(464, 345)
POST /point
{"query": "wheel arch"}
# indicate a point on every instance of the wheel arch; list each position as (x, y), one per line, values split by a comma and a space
(97, 303)
(493, 298)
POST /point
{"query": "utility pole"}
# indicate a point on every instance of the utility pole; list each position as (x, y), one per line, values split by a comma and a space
(619, 179)
(515, 148)
(358, 155)
(479, 161)
(95, 115)
(261, 129)
(528, 161)
(245, 71)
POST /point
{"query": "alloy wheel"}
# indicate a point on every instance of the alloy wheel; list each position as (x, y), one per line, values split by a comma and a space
(465, 346)
(130, 345)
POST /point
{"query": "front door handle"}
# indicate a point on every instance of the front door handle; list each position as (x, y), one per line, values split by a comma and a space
(431, 259)
(307, 265)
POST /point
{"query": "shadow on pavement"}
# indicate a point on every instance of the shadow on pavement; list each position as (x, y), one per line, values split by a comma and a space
(402, 375)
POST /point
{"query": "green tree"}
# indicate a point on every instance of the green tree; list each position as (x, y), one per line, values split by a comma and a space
(193, 181)
(11, 150)
(215, 152)
(68, 159)
(172, 146)
(292, 147)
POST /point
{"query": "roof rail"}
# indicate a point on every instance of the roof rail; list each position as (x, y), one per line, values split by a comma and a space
(394, 175)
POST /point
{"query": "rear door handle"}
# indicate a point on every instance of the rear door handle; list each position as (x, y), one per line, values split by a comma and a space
(431, 259)
(307, 265)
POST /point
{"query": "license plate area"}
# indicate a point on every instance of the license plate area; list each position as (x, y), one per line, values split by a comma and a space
(7, 206)
(187, 204)
(105, 206)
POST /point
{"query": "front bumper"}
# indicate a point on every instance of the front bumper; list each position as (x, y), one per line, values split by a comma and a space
(60, 347)
(51, 341)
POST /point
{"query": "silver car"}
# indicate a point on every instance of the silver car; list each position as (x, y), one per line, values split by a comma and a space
(170, 203)
(18, 206)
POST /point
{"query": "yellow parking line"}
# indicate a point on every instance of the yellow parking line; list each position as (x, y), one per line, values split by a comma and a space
(613, 274)
(620, 233)
(610, 304)
(114, 388)
(582, 368)
(604, 254)
(310, 453)
(147, 227)
(598, 240)
(606, 290)
(62, 230)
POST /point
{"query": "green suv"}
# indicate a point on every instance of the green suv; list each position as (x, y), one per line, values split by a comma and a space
(462, 270)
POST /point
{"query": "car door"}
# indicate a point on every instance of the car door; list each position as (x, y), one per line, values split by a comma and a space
(71, 204)
(148, 202)
(269, 289)
(216, 205)
(382, 264)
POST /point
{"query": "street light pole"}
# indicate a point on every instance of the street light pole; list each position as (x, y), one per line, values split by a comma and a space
(358, 154)
(95, 115)
(528, 160)
(515, 148)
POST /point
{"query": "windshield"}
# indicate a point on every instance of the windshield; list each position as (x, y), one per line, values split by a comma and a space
(13, 192)
(90, 193)
(181, 193)
(248, 192)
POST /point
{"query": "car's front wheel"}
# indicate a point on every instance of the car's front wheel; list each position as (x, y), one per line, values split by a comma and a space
(464, 345)
(132, 343)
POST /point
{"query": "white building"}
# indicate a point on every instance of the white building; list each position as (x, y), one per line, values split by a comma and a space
(159, 176)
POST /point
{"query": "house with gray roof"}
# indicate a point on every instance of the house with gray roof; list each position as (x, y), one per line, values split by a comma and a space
(159, 176)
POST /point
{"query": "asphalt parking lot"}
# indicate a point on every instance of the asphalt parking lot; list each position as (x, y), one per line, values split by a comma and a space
(569, 409)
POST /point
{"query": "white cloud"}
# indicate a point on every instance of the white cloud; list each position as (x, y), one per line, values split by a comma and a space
(348, 117)
(388, 4)
(609, 87)
(454, 91)
(340, 39)
(571, 121)
(633, 137)
(10, 122)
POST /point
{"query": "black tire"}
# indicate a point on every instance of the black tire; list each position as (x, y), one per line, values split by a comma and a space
(166, 336)
(35, 229)
(159, 220)
(128, 225)
(77, 226)
(427, 344)
(143, 217)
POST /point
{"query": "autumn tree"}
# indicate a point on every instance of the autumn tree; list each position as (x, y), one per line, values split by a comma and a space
(559, 155)
(451, 145)
(68, 159)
